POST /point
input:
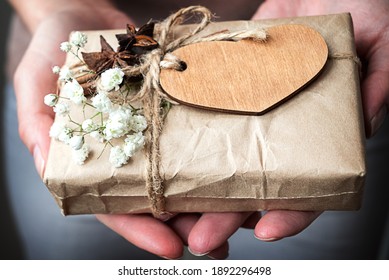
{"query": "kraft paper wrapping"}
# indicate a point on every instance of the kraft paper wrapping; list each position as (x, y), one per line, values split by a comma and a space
(306, 154)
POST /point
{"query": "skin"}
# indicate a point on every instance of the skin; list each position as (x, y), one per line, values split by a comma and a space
(203, 233)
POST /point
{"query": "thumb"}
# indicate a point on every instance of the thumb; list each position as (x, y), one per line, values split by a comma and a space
(375, 91)
(32, 81)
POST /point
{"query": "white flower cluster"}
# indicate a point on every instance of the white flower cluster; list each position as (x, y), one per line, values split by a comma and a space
(77, 40)
(111, 79)
(120, 155)
(107, 119)
(118, 121)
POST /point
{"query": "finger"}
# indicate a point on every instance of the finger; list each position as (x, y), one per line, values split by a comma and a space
(375, 90)
(146, 233)
(277, 224)
(33, 79)
(213, 230)
(274, 9)
(184, 223)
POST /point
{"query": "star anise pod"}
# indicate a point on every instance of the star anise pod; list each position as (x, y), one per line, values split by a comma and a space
(108, 58)
(137, 42)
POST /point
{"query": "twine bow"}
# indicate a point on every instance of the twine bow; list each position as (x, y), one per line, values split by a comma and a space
(151, 93)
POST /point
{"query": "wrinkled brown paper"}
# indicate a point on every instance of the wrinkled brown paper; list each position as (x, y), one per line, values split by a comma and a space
(306, 154)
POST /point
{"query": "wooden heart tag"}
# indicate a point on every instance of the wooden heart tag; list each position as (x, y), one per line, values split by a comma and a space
(247, 77)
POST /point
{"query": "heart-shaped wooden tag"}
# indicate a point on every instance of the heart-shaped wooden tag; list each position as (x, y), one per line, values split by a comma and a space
(247, 77)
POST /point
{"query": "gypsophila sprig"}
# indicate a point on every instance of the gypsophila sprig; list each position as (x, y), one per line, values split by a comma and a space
(78, 39)
(65, 74)
(65, 47)
(118, 157)
(61, 109)
(51, 99)
(102, 103)
(56, 69)
(111, 79)
(80, 155)
(93, 108)
(74, 91)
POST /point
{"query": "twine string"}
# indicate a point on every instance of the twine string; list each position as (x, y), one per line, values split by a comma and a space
(152, 94)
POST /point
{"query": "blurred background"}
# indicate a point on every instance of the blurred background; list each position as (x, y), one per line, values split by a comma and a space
(10, 248)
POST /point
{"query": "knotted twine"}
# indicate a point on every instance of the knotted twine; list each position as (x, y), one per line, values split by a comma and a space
(151, 93)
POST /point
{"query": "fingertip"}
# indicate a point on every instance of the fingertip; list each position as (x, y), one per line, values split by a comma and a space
(213, 230)
(278, 224)
(146, 233)
(264, 236)
(197, 254)
(219, 253)
(39, 161)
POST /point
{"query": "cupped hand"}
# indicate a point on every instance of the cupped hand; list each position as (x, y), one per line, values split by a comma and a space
(371, 25)
(204, 233)
(34, 78)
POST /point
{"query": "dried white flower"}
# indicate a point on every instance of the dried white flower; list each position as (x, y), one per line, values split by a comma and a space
(76, 142)
(98, 136)
(138, 123)
(133, 143)
(65, 47)
(56, 69)
(55, 130)
(88, 125)
(65, 74)
(117, 157)
(74, 91)
(51, 99)
(102, 103)
(61, 109)
(80, 155)
(118, 123)
(111, 79)
(78, 39)
(65, 135)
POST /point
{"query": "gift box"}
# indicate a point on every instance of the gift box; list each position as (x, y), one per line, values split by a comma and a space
(307, 153)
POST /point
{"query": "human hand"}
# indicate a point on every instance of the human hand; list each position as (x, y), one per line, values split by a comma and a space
(33, 78)
(371, 33)
(204, 233)
(371, 30)
(371, 25)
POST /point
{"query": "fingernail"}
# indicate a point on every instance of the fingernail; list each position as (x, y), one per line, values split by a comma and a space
(167, 258)
(377, 120)
(266, 239)
(39, 161)
(197, 254)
